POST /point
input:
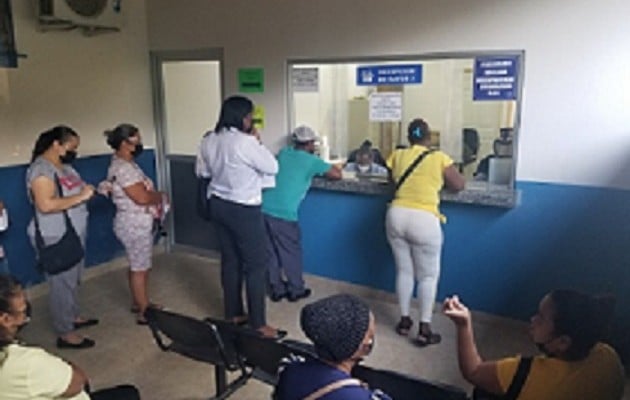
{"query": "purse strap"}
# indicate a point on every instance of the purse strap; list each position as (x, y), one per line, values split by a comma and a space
(522, 371)
(412, 167)
(39, 240)
(331, 387)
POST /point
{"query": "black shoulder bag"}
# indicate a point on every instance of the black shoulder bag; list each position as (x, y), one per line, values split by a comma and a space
(63, 255)
(522, 371)
(412, 167)
(203, 202)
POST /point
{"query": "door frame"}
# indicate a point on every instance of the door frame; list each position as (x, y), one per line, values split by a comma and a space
(157, 59)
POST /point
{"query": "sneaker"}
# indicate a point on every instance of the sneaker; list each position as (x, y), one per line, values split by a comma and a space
(295, 297)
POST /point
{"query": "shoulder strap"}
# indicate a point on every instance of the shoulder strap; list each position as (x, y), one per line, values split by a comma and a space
(331, 387)
(522, 371)
(39, 240)
(412, 167)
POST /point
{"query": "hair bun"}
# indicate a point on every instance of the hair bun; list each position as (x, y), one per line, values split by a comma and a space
(109, 134)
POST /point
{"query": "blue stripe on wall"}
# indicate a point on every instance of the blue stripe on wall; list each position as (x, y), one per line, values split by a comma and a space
(500, 261)
(102, 245)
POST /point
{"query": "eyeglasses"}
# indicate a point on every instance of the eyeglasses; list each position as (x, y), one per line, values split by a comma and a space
(24, 314)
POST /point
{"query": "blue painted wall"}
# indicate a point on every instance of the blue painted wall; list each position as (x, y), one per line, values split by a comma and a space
(102, 245)
(499, 261)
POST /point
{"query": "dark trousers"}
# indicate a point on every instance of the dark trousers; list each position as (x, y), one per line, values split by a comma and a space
(243, 258)
(122, 392)
(284, 250)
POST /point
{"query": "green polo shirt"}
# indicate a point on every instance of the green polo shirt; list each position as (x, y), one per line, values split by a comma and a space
(296, 170)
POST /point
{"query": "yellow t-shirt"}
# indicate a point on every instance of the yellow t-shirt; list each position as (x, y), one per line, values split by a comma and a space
(422, 188)
(598, 377)
(30, 373)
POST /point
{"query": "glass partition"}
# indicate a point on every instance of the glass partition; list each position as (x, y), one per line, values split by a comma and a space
(470, 101)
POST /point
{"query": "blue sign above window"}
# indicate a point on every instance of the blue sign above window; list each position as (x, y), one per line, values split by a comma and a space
(374, 75)
(495, 78)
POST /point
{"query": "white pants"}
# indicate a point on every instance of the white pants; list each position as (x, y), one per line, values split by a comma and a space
(416, 240)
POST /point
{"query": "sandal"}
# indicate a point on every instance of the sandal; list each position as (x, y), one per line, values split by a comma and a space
(426, 337)
(404, 326)
(268, 332)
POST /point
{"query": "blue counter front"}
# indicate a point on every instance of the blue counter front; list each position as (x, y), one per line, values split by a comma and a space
(344, 238)
(499, 260)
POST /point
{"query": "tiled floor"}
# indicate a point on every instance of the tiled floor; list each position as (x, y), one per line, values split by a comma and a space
(189, 284)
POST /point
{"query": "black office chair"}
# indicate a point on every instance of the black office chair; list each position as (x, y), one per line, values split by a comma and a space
(403, 387)
(470, 146)
(200, 341)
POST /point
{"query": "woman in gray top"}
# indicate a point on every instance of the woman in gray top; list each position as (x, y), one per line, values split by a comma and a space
(54, 150)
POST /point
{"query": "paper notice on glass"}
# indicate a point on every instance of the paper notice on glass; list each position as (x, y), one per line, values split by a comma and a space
(305, 79)
(386, 107)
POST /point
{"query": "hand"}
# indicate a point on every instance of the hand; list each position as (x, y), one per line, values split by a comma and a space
(87, 192)
(105, 188)
(456, 311)
(256, 133)
(1, 206)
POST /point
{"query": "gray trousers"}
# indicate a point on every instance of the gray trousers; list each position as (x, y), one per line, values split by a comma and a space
(63, 288)
(284, 251)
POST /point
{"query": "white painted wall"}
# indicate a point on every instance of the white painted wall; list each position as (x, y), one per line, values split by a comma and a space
(575, 122)
(89, 83)
(192, 96)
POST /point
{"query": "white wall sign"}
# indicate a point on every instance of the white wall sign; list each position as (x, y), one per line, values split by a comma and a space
(386, 106)
(305, 79)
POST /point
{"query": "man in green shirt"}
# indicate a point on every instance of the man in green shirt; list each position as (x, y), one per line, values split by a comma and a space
(297, 167)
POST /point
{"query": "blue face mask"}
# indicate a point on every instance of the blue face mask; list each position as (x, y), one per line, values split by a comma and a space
(363, 168)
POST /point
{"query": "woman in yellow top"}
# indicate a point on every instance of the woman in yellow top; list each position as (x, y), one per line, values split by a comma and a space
(567, 329)
(413, 225)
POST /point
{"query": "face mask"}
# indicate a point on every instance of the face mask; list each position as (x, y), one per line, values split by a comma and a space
(368, 347)
(363, 168)
(138, 150)
(69, 157)
(542, 347)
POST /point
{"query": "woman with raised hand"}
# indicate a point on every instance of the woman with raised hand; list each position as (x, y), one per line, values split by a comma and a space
(574, 364)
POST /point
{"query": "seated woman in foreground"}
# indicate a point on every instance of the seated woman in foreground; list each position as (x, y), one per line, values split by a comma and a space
(342, 330)
(567, 329)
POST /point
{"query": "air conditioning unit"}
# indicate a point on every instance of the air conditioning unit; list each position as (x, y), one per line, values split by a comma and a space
(93, 16)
